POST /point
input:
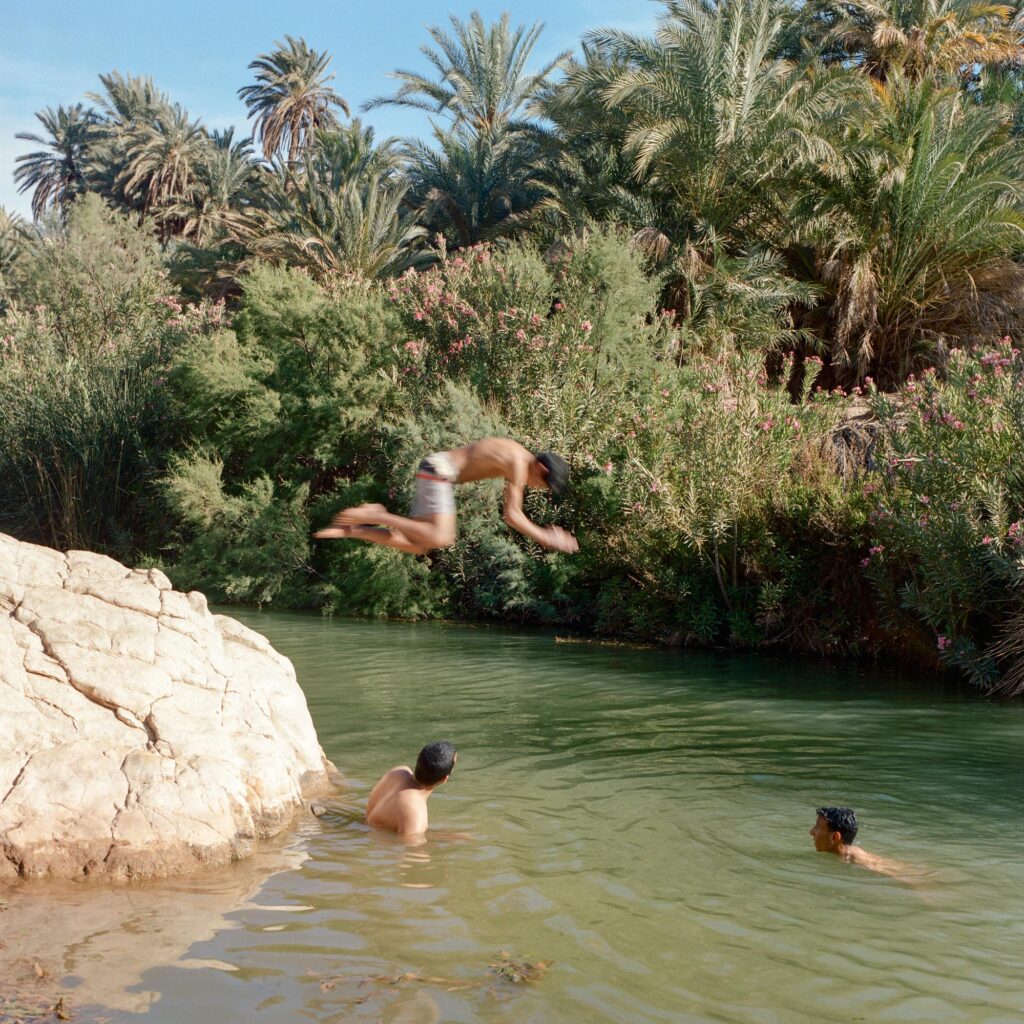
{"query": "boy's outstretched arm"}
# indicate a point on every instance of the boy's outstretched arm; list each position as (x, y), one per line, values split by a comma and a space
(554, 538)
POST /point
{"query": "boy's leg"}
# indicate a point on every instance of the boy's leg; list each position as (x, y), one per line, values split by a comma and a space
(415, 536)
(372, 535)
(430, 531)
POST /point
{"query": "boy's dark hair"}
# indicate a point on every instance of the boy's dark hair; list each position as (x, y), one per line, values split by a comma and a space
(841, 820)
(558, 472)
(436, 760)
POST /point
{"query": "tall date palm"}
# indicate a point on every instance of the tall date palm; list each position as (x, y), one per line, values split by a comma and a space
(915, 240)
(291, 99)
(927, 37)
(57, 174)
(476, 178)
(482, 80)
(162, 158)
(718, 124)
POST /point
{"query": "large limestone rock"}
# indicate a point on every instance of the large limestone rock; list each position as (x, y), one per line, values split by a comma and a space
(139, 733)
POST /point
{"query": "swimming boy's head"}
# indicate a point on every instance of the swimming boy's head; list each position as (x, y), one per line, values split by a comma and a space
(552, 472)
(435, 763)
(834, 827)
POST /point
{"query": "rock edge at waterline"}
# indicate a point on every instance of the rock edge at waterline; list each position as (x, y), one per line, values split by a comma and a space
(140, 735)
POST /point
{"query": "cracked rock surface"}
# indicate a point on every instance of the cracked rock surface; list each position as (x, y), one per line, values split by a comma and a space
(140, 735)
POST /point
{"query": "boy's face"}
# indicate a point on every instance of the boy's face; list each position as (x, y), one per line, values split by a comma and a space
(825, 840)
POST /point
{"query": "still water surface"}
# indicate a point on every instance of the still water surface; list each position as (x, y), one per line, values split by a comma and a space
(638, 818)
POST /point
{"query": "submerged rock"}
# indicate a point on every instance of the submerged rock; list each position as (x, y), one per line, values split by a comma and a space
(140, 735)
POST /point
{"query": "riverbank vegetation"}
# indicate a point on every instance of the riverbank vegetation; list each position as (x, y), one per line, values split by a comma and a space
(757, 276)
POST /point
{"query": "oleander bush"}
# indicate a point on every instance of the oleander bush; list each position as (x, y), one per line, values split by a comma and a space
(947, 527)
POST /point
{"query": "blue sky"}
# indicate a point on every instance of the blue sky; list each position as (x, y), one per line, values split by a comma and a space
(51, 52)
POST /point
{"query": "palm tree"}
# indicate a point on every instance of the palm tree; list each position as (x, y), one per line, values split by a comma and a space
(162, 158)
(913, 239)
(582, 166)
(921, 37)
(482, 80)
(358, 228)
(718, 127)
(291, 100)
(58, 173)
(351, 152)
(126, 103)
(471, 185)
(476, 180)
(226, 186)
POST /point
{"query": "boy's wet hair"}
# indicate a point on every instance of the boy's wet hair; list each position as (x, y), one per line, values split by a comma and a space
(436, 760)
(557, 472)
(841, 820)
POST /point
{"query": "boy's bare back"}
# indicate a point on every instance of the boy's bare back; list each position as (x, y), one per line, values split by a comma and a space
(398, 803)
(492, 457)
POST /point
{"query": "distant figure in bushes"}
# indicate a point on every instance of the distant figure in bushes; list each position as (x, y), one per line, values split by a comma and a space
(834, 832)
(431, 522)
(399, 801)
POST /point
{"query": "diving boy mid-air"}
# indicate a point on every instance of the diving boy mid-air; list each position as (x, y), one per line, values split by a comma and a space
(431, 522)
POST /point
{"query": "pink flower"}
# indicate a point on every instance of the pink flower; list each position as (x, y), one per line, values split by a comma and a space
(942, 642)
(768, 424)
(865, 562)
(418, 315)
(586, 326)
(986, 541)
(607, 468)
(521, 335)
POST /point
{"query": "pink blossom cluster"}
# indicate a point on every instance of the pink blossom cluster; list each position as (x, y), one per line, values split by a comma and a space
(457, 346)
(876, 550)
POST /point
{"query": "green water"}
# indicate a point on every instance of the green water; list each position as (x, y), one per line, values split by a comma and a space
(639, 818)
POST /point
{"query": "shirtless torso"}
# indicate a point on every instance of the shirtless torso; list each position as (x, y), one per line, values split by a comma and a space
(492, 457)
(398, 803)
(882, 865)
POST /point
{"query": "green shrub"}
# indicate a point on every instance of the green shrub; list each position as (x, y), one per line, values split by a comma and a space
(947, 550)
(84, 421)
